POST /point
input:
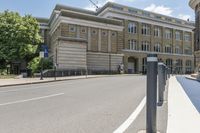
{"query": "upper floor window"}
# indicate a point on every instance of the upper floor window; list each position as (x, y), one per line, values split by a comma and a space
(168, 49)
(157, 48)
(72, 28)
(178, 50)
(187, 37)
(132, 44)
(178, 35)
(145, 46)
(188, 51)
(168, 34)
(146, 29)
(132, 28)
(157, 32)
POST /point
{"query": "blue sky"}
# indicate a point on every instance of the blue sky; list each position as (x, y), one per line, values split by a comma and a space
(43, 8)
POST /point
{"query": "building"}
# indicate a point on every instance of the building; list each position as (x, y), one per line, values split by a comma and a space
(195, 5)
(100, 41)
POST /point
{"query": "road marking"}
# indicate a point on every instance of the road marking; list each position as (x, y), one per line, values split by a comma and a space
(32, 99)
(132, 117)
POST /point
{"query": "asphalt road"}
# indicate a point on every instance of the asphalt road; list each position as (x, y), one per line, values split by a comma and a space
(97, 105)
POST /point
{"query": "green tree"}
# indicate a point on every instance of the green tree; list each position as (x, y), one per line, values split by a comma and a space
(19, 37)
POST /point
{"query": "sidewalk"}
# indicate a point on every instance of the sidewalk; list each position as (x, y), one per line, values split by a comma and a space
(183, 117)
(24, 81)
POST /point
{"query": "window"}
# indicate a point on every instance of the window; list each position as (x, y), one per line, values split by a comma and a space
(144, 65)
(104, 33)
(83, 30)
(157, 32)
(179, 65)
(145, 29)
(188, 68)
(168, 34)
(113, 34)
(169, 63)
(132, 28)
(178, 50)
(168, 49)
(178, 35)
(145, 46)
(157, 48)
(188, 51)
(132, 44)
(187, 37)
(94, 32)
(72, 28)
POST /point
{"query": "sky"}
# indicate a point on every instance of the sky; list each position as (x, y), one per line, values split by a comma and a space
(44, 8)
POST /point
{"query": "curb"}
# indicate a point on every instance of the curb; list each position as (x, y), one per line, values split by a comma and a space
(58, 80)
(190, 78)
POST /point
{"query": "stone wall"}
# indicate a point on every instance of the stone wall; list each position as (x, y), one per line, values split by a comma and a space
(103, 61)
(71, 55)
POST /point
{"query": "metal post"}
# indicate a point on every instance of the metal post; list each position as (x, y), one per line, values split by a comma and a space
(161, 84)
(109, 63)
(41, 71)
(152, 65)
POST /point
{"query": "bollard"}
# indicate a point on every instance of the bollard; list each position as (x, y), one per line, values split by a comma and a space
(152, 65)
(161, 82)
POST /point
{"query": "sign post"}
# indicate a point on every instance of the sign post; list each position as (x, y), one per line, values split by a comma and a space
(41, 71)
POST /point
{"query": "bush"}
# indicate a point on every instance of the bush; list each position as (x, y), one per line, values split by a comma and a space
(36, 63)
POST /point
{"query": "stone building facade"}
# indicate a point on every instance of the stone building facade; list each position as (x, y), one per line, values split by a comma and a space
(100, 41)
(195, 4)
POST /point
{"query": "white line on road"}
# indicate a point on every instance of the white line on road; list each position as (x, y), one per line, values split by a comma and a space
(32, 99)
(131, 118)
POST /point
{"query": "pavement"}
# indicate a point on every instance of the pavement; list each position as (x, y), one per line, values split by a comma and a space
(25, 81)
(97, 104)
(183, 116)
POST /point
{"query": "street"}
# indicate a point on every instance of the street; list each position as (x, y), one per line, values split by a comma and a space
(97, 105)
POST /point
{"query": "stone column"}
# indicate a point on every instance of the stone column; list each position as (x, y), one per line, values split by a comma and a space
(109, 41)
(89, 38)
(99, 41)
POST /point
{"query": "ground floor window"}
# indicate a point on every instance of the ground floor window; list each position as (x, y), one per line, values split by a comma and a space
(144, 65)
(179, 66)
(169, 63)
(188, 66)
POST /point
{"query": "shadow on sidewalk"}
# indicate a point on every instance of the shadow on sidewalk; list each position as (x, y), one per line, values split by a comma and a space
(192, 89)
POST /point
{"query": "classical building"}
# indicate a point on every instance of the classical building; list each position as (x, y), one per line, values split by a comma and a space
(195, 5)
(100, 41)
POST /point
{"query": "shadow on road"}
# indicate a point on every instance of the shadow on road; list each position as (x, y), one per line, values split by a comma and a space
(192, 89)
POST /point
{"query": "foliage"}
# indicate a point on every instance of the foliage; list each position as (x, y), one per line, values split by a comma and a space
(36, 63)
(19, 37)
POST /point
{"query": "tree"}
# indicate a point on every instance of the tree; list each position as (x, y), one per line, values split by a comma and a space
(19, 37)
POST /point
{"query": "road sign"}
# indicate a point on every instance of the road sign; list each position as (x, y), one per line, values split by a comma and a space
(41, 54)
(45, 49)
